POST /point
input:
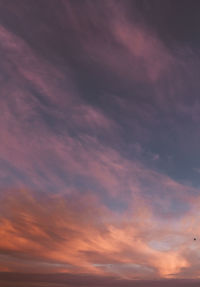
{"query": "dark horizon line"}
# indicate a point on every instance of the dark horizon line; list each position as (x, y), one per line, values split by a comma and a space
(87, 278)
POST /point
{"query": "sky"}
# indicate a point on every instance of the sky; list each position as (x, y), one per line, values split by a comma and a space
(99, 143)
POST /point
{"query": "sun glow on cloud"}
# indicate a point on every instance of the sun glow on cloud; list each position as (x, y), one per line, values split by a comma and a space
(80, 234)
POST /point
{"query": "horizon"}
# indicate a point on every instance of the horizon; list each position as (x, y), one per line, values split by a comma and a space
(59, 280)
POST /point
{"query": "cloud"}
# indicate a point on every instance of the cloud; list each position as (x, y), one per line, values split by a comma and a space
(121, 46)
(75, 196)
(79, 233)
(62, 184)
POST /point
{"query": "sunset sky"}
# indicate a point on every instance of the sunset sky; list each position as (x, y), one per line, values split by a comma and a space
(100, 142)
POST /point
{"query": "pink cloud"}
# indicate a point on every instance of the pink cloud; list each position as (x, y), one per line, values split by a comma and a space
(78, 229)
(130, 51)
